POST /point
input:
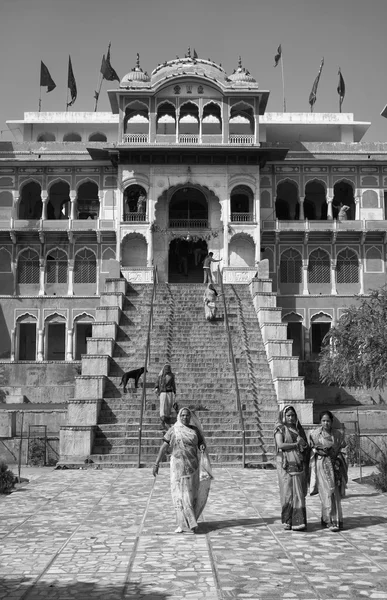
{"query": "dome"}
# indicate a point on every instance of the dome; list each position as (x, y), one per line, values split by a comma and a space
(241, 75)
(135, 76)
(189, 65)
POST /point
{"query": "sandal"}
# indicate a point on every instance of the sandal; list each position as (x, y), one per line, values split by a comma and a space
(287, 527)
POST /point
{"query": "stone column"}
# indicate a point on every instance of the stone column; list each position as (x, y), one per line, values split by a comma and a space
(13, 344)
(329, 209)
(40, 354)
(306, 341)
(100, 197)
(361, 272)
(42, 264)
(14, 269)
(226, 221)
(70, 289)
(333, 277)
(73, 196)
(302, 216)
(149, 255)
(44, 197)
(69, 344)
(305, 264)
(357, 207)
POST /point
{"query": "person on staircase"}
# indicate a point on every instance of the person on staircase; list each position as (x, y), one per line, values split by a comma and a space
(209, 298)
(207, 267)
(166, 389)
(292, 465)
(191, 473)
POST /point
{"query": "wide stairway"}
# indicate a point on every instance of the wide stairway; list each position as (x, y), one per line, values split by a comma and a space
(198, 352)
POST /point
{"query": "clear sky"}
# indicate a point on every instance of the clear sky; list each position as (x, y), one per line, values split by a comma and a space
(351, 34)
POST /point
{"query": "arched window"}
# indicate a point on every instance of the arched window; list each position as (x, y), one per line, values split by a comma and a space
(28, 267)
(56, 267)
(347, 267)
(72, 137)
(319, 270)
(85, 267)
(97, 137)
(291, 266)
(374, 262)
(46, 137)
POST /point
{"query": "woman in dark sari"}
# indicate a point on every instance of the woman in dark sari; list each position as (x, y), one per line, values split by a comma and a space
(328, 470)
(292, 462)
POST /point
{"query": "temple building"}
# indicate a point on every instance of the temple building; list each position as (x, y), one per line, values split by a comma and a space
(187, 162)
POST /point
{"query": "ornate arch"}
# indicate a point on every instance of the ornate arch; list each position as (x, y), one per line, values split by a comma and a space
(346, 180)
(316, 180)
(85, 248)
(165, 101)
(289, 317)
(84, 317)
(134, 235)
(183, 104)
(242, 179)
(137, 179)
(347, 248)
(288, 180)
(55, 317)
(242, 235)
(59, 180)
(321, 250)
(25, 250)
(132, 102)
(27, 181)
(26, 317)
(87, 179)
(56, 248)
(315, 317)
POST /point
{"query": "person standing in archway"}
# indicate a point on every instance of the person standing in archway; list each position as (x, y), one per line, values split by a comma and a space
(207, 267)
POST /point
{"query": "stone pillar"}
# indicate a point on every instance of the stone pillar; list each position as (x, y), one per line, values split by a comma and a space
(44, 197)
(177, 126)
(357, 207)
(69, 344)
(329, 209)
(306, 341)
(13, 344)
(200, 129)
(361, 272)
(14, 269)
(149, 255)
(70, 289)
(40, 354)
(42, 264)
(333, 277)
(100, 197)
(305, 264)
(302, 199)
(73, 205)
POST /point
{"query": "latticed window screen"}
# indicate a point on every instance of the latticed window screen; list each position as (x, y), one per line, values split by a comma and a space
(85, 267)
(291, 267)
(347, 267)
(319, 267)
(56, 267)
(28, 267)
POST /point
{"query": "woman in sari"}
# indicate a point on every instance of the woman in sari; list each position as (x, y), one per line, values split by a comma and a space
(292, 461)
(190, 469)
(209, 298)
(166, 389)
(328, 471)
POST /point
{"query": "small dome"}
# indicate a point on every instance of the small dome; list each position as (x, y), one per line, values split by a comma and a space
(241, 75)
(189, 65)
(136, 75)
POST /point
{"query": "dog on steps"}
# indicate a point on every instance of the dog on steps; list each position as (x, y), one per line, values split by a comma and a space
(134, 374)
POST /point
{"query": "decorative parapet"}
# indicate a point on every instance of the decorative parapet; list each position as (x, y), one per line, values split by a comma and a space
(138, 274)
(238, 275)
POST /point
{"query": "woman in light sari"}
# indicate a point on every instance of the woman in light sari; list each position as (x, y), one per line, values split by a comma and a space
(292, 462)
(328, 471)
(190, 469)
(209, 298)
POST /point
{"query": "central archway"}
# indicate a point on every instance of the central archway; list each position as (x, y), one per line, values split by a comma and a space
(188, 208)
(185, 259)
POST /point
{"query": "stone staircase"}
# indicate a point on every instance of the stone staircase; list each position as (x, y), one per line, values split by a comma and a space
(103, 423)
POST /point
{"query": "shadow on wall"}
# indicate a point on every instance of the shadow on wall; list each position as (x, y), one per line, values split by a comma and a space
(5, 339)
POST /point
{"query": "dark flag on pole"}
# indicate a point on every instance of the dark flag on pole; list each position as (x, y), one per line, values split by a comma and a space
(71, 84)
(313, 93)
(45, 78)
(277, 57)
(341, 88)
(107, 70)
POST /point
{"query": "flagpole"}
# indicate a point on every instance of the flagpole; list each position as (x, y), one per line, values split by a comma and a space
(67, 100)
(40, 98)
(98, 92)
(283, 81)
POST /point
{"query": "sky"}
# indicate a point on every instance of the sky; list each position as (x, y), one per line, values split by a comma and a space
(350, 34)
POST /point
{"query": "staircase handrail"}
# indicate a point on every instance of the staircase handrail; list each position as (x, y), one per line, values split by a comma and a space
(232, 360)
(147, 357)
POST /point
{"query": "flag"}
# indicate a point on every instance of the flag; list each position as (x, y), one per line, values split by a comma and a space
(71, 84)
(195, 54)
(341, 88)
(313, 93)
(277, 57)
(45, 78)
(107, 70)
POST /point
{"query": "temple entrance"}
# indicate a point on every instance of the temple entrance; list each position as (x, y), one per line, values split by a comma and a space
(186, 257)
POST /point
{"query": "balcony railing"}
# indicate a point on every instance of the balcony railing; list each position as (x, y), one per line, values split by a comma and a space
(241, 139)
(188, 139)
(135, 217)
(242, 217)
(136, 138)
(188, 223)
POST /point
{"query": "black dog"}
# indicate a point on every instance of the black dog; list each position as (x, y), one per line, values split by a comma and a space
(134, 374)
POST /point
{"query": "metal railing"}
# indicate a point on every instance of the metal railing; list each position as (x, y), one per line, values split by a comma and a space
(135, 138)
(238, 217)
(135, 217)
(147, 358)
(188, 223)
(232, 360)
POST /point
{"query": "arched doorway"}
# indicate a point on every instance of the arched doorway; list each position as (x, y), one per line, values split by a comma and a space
(188, 208)
(186, 255)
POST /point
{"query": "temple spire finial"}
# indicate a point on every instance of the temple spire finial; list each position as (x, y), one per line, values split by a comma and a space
(240, 63)
(138, 61)
(189, 52)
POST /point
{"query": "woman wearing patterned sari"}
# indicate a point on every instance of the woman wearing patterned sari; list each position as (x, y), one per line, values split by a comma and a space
(190, 469)
(292, 462)
(328, 471)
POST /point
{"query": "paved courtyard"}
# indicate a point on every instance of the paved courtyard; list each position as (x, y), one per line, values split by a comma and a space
(89, 534)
